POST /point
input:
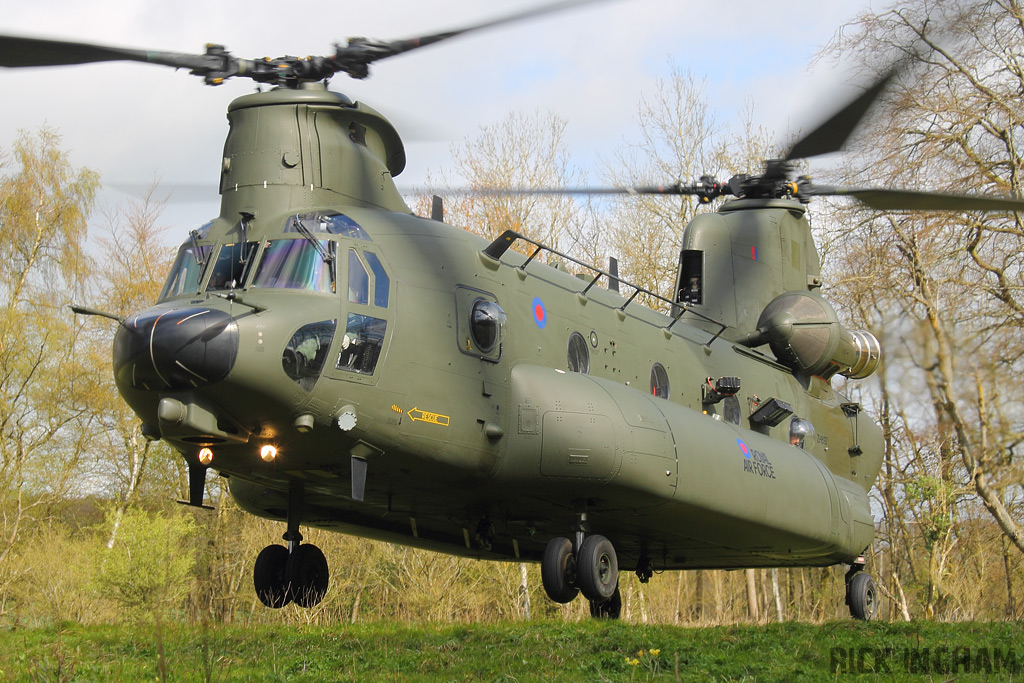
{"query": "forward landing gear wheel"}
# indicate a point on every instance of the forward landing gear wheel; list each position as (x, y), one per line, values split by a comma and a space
(862, 596)
(609, 609)
(268, 576)
(597, 569)
(307, 575)
(558, 571)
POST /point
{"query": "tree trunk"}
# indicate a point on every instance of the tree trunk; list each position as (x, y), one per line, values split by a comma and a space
(752, 610)
(524, 590)
(777, 595)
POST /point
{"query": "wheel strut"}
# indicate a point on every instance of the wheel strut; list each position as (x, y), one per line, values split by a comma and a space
(292, 536)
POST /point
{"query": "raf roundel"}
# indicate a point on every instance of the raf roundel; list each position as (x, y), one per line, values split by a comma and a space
(743, 448)
(540, 314)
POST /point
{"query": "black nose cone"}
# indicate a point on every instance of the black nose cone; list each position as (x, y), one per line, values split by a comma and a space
(178, 348)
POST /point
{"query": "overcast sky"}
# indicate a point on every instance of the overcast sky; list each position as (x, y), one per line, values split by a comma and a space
(134, 122)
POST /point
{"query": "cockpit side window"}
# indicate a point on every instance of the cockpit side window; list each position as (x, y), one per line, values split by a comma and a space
(231, 267)
(381, 281)
(187, 271)
(358, 280)
(361, 345)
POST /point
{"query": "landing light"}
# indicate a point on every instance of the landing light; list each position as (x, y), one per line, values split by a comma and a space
(268, 453)
(205, 456)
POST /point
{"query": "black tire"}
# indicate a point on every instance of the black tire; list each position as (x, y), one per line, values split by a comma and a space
(308, 575)
(862, 595)
(609, 609)
(558, 571)
(268, 576)
(597, 569)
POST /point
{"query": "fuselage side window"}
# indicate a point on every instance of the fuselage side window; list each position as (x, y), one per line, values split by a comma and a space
(659, 381)
(578, 354)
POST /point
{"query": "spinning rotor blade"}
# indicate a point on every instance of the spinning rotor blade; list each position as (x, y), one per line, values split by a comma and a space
(832, 134)
(674, 189)
(217, 64)
(914, 200)
(876, 198)
(18, 51)
(707, 189)
(361, 52)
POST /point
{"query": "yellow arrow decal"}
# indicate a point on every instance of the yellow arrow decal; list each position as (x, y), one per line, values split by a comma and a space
(417, 415)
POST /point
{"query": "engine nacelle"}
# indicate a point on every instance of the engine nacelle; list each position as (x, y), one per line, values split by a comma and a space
(805, 335)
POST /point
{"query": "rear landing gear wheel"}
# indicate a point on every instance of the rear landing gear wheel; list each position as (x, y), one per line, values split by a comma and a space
(862, 596)
(597, 569)
(307, 575)
(558, 571)
(268, 576)
(609, 609)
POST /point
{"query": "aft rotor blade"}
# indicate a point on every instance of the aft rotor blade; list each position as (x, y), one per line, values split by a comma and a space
(913, 200)
(708, 187)
(18, 51)
(639, 189)
(832, 134)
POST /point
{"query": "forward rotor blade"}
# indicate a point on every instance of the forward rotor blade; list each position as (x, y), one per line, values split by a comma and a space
(831, 135)
(18, 51)
(398, 47)
(913, 200)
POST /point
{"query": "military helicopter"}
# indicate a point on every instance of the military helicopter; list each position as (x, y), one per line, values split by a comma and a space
(348, 365)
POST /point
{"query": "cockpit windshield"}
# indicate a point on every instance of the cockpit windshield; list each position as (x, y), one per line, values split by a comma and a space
(296, 264)
(231, 267)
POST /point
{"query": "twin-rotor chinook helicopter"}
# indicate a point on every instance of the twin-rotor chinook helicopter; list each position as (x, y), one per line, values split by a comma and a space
(350, 366)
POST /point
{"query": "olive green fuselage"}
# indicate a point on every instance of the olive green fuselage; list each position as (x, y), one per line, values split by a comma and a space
(479, 450)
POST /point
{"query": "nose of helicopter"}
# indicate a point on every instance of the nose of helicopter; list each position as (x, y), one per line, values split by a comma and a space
(179, 348)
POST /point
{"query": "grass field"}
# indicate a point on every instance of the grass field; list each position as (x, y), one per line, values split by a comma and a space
(518, 651)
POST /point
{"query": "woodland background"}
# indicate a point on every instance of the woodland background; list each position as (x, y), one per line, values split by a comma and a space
(90, 533)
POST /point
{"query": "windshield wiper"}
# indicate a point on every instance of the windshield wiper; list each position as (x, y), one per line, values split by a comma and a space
(326, 255)
(197, 251)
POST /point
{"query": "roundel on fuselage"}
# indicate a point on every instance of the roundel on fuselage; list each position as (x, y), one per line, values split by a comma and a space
(540, 314)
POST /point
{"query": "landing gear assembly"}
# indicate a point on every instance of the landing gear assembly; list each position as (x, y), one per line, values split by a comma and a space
(297, 573)
(589, 566)
(861, 592)
(300, 576)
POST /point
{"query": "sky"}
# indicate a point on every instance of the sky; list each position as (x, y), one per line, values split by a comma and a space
(590, 65)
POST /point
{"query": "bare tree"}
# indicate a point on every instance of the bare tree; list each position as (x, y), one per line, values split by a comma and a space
(45, 389)
(134, 261)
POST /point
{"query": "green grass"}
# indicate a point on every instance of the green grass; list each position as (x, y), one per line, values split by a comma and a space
(518, 651)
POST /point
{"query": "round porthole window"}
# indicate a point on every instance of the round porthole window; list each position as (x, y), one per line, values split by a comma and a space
(579, 354)
(485, 323)
(659, 381)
